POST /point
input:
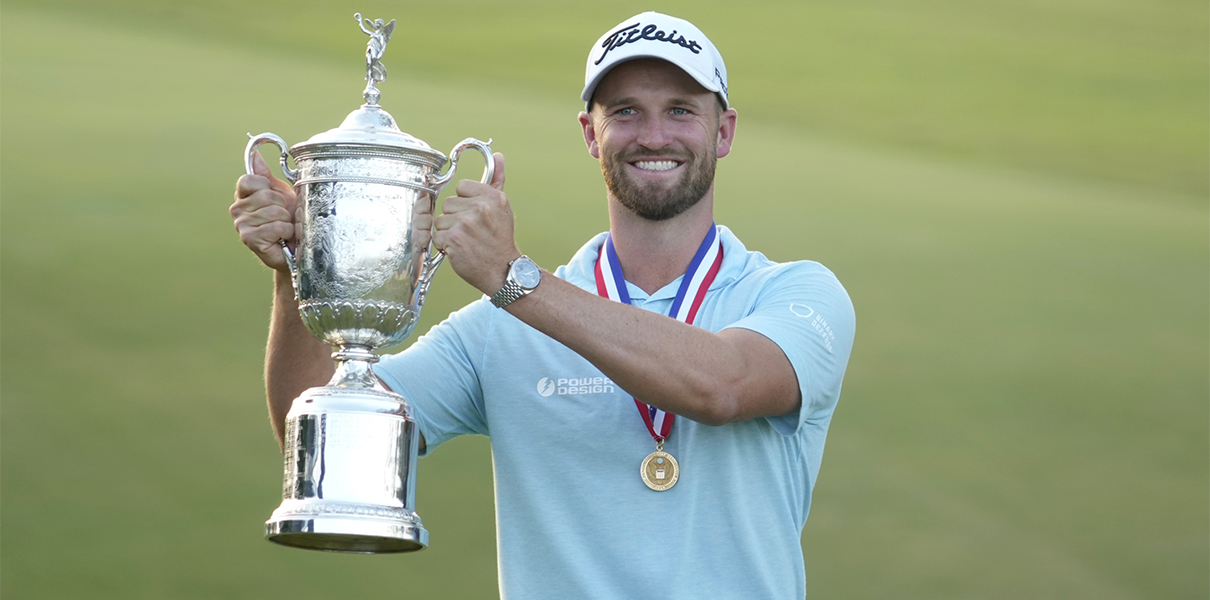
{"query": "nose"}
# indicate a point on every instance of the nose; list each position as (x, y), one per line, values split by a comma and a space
(654, 133)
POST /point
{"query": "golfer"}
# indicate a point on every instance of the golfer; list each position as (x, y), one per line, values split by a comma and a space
(657, 407)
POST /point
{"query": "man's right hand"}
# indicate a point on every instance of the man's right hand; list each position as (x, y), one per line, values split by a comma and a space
(264, 212)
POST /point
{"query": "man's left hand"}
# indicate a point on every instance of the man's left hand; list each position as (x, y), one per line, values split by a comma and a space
(475, 228)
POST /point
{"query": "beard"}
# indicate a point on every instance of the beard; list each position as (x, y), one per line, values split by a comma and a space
(657, 201)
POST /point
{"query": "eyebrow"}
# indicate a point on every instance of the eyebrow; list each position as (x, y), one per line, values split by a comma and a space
(677, 101)
(618, 101)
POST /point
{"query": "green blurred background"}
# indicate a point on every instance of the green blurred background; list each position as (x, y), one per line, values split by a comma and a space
(1013, 191)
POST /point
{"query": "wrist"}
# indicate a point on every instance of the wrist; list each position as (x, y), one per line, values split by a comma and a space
(283, 285)
(523, 277)
(500, 275)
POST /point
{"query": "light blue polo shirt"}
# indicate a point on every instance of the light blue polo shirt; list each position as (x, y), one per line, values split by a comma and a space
(574, 519)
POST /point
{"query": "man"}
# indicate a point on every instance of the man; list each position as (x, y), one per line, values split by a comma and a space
(576, 388)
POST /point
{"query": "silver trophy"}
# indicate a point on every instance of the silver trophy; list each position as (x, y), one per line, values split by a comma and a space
(361, 269)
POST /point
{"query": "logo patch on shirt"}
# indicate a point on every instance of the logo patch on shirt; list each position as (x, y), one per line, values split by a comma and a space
(573, 386)
(818, 323)
(802, 310)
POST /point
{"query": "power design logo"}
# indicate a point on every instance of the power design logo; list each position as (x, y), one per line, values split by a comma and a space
(573, 386)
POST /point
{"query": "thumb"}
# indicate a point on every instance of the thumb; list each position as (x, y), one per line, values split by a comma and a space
(498, 176)
(260, 167)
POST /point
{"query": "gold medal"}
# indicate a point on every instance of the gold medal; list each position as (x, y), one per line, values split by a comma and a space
(659, 470)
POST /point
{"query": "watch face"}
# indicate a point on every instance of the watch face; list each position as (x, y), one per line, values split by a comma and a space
(526, 273)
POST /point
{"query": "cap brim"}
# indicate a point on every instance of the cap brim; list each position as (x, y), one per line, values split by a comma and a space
(703, 80)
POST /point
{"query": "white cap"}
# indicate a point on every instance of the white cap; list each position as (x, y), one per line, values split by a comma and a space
(655, 35)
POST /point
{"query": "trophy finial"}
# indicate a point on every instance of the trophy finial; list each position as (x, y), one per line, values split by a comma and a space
(380, 34)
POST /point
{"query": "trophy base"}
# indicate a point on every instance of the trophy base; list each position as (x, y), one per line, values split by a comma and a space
(350, 467)
(348, 534)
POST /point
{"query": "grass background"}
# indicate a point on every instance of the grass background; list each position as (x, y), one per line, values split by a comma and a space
(1013, 191)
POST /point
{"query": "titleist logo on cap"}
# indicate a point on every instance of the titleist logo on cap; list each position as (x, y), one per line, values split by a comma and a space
(632, 33)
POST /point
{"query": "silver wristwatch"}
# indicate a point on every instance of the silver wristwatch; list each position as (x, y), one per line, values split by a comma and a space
(523, 277)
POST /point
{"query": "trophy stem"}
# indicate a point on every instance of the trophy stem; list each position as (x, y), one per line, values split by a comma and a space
(354, 368)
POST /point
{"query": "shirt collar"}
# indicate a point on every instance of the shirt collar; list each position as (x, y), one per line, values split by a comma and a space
(581, 269)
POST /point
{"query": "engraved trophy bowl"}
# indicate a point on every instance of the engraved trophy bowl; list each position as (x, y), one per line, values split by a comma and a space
(361, 269)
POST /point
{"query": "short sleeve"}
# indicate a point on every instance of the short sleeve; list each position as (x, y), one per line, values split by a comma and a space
(805, 311)
(438, 376)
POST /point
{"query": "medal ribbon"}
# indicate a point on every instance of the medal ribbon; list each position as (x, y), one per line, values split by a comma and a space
(696, 281)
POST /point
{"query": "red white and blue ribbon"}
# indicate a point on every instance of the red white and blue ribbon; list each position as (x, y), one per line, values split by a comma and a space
(701, 272)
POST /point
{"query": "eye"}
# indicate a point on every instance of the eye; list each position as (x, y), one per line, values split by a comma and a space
(680, 112)
(625, 112)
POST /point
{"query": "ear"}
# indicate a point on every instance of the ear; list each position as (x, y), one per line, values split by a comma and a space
(590, 134)
(726, 131)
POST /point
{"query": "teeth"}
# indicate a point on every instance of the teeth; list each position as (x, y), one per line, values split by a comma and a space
(656, 165)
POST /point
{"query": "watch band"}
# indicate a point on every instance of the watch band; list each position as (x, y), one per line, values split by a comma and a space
(511, 291)
(513, 288)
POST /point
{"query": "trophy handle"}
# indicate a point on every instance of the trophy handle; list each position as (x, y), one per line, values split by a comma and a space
(485, 148)
(489, 171)
(291, 175)
(254, 141)
(426, 275)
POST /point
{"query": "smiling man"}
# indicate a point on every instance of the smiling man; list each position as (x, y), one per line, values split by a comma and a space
(653, 177)
(681, 384)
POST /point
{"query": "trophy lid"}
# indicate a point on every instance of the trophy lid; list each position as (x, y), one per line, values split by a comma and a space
(370, 125)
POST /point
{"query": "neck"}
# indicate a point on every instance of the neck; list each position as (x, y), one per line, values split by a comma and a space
(655, 253)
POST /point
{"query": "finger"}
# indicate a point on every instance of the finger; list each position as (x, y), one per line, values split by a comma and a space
(263, 241)
(469, 189)
(260, 199)
(441, 242)
(263, 238)
(454, 204)
(250, 184)
(444, 222)
(266, 214)
(498, 176)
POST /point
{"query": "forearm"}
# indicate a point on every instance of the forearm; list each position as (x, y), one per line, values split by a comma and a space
(711, 378)
(294, 359)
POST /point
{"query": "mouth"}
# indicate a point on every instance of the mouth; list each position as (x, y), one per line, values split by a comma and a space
(656, 165)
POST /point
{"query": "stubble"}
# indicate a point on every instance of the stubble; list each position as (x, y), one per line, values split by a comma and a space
(652, 201)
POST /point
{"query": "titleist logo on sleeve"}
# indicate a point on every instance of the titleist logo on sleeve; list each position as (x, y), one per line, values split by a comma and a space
(631, 34)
